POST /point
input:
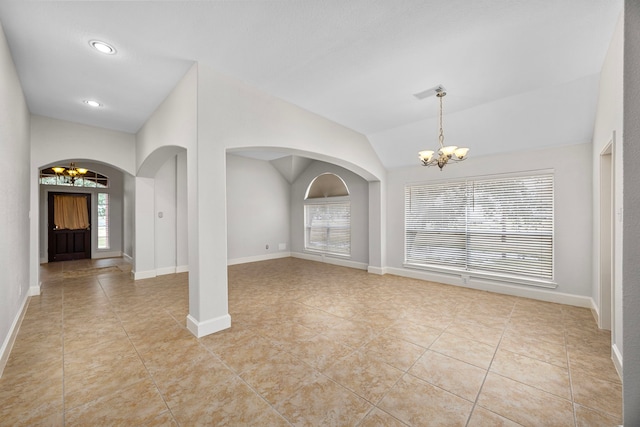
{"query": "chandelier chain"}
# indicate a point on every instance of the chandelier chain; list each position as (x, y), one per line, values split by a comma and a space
(441, 135)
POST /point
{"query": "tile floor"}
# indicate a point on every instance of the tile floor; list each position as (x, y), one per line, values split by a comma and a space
(311, 344)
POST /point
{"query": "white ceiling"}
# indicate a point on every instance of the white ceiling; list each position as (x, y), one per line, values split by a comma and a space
(520, 74)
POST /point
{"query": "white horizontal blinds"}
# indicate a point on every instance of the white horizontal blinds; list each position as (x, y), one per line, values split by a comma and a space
(435, 224)
(328, 228)
(510, 226)
(500, 226)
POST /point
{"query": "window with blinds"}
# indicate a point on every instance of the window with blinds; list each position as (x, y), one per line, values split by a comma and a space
(502, 226)
(328, 227)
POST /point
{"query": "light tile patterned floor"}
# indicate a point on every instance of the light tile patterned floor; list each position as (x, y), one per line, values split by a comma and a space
(311, 344)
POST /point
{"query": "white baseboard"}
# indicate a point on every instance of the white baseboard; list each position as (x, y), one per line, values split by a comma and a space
(139, 275)
(541, 294)
(377, 270)
(616, 356)
(208, 327)
(257, 258)
(34, 291)
(595, 312)
(44, 261)
(111, 254)
(7, 345)
(127, 257)
(330, 260)
(165, 270)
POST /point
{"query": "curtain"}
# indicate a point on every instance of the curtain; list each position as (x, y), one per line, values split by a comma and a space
(70, 212)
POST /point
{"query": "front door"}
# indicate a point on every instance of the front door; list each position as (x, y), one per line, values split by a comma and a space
(67, 243)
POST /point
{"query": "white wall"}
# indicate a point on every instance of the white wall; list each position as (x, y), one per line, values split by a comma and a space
(182, 224)
(128, 216)
(572, 222)
(14, 192)
(609, 119)
(165, 218)
(115, 192)
(631, 266)
(358, 196)
(170, 130)
(55, 140)
(258, 213)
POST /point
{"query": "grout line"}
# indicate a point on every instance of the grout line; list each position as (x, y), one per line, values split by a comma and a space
(238, 375)
(115, 312)
(566, 352)
(475, 403)
(64, 406)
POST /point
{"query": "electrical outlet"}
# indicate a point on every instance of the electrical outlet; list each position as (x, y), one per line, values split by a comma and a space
(266, 247)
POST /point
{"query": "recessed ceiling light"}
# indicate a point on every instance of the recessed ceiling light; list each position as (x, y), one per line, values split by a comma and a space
(102, 47)
(92, 103)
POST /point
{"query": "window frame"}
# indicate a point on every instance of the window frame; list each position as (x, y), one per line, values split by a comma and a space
(106, 226)
(325, 202)
(467, 272)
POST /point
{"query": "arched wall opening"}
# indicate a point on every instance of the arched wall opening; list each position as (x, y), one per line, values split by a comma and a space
(119, 219)
(261, 227)
(160, 212)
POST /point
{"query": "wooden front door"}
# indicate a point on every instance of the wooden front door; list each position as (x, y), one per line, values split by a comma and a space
(66, 245)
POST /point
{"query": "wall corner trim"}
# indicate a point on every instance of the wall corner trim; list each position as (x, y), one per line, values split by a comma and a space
(595, 312)
(616, 356)
(377, 270)
(182, 269)
(201, 329)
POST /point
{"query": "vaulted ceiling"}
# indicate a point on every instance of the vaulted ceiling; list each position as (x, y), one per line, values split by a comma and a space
(520, 74)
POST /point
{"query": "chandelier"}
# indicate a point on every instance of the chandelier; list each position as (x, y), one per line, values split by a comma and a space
(71, 173)
(445, 154)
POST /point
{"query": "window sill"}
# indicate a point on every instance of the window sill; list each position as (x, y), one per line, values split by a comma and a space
(328, 254)
(464, 274)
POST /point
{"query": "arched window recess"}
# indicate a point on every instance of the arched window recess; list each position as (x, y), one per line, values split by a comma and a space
(327, 216)
(326, 185)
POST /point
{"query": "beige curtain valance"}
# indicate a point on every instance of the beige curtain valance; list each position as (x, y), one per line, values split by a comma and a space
(70, 212)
